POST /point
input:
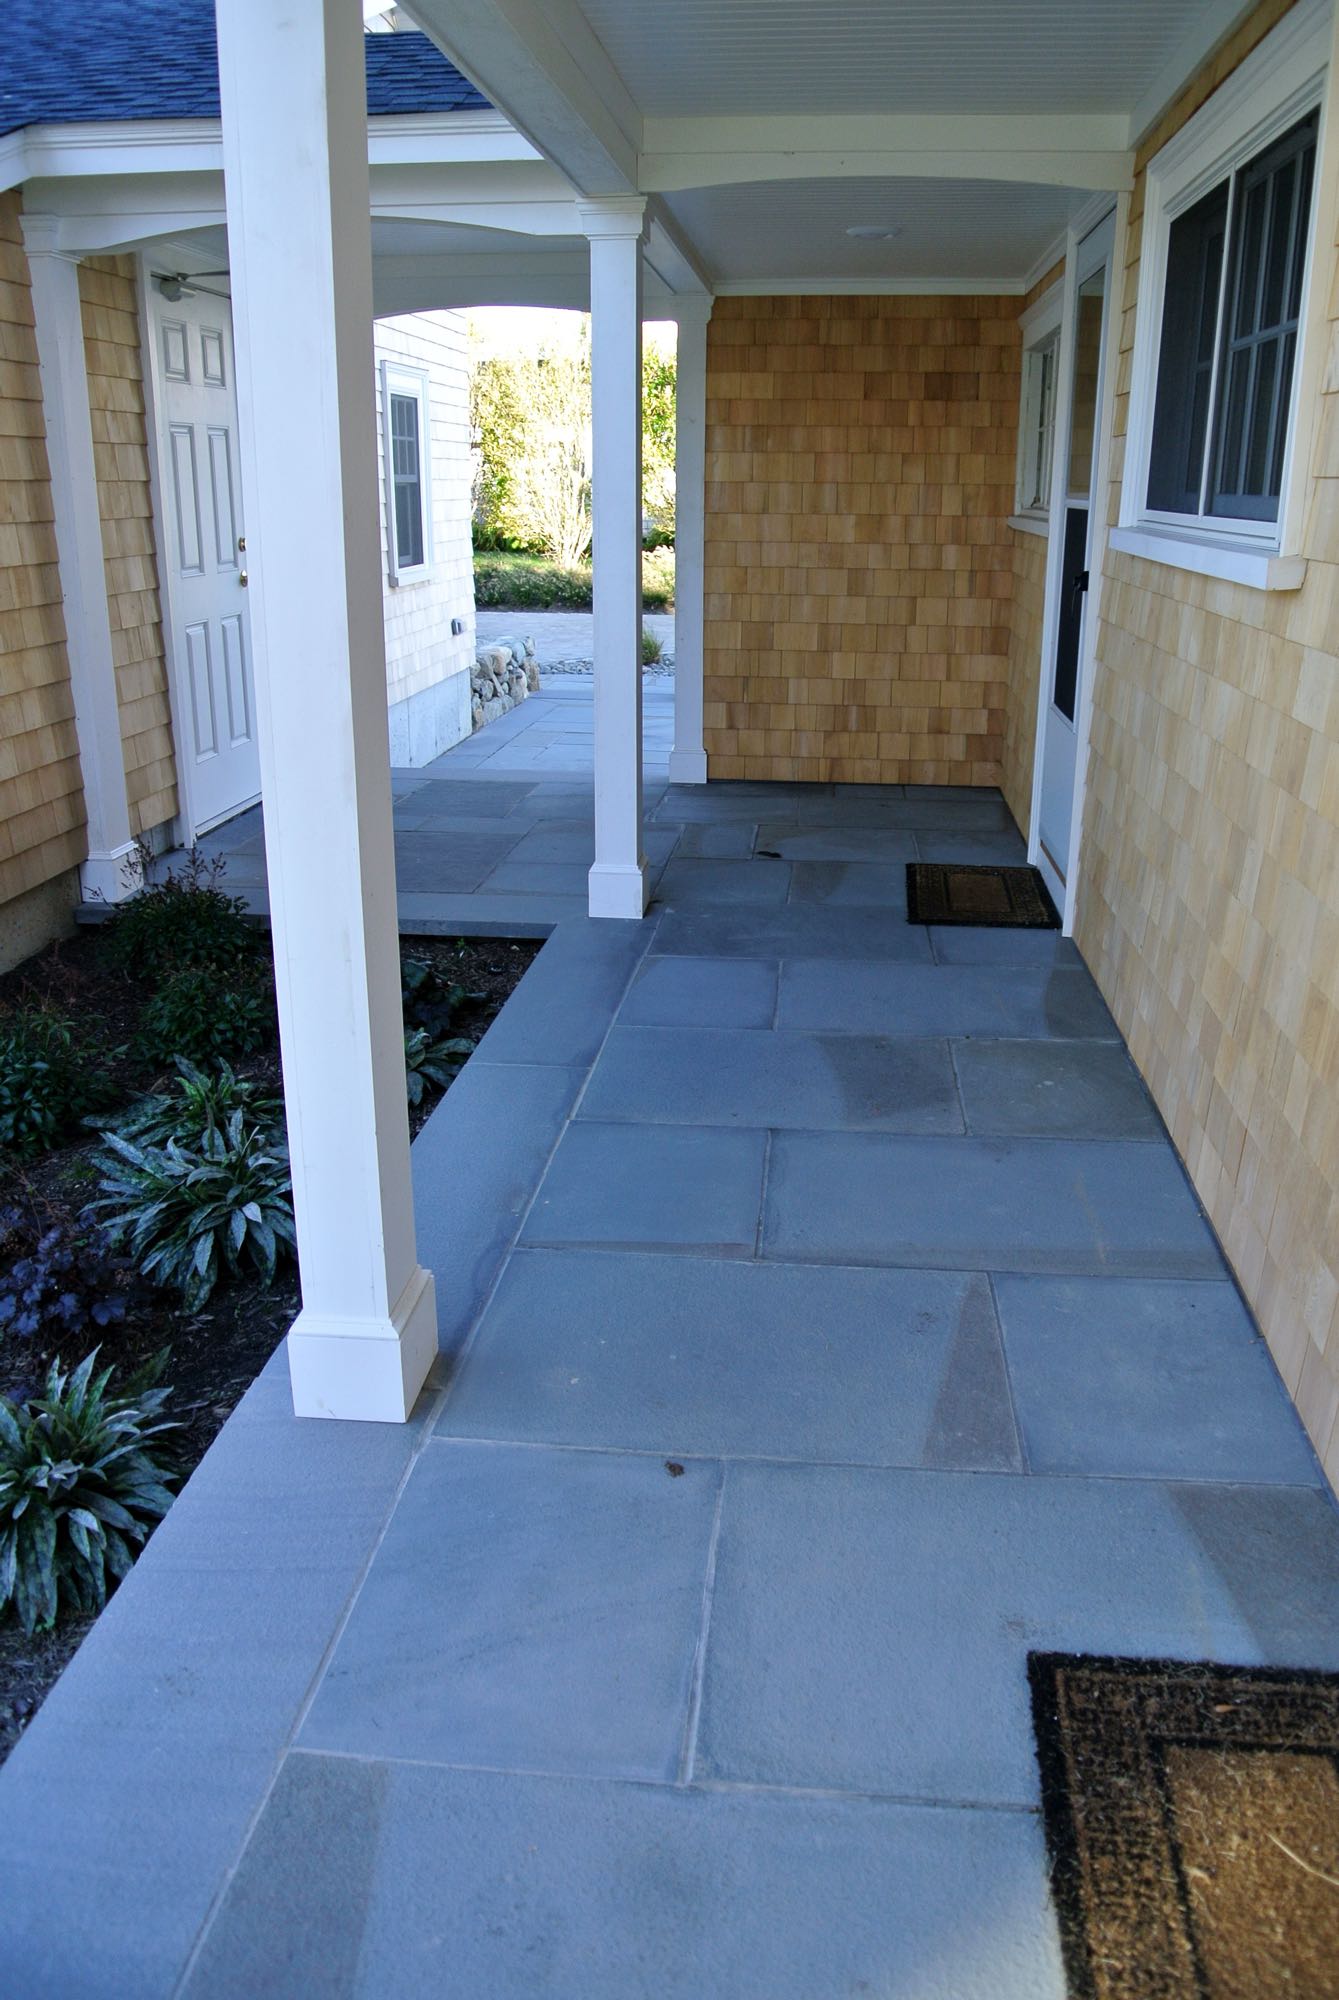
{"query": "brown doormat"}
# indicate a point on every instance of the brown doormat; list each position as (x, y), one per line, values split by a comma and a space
(940, 892)
(1192, 1819)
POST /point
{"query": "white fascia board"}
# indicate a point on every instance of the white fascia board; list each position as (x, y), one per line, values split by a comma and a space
(1210, 27)
(195, 146)
(540, 63)
(907, 287)
(1063, 150)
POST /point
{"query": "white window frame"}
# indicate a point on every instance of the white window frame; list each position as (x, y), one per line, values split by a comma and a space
(1279, 83)
(399, 380)
(1040, 326)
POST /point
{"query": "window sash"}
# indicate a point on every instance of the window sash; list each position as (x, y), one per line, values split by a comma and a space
(1222, 406)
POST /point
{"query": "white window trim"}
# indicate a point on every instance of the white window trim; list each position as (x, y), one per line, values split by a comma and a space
(1040, 326)
(397, 379)
(1279, 82)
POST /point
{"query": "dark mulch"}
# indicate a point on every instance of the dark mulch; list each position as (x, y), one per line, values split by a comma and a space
(213, 1355)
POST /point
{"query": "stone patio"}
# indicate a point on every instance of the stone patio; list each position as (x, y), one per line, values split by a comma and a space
(826, 1322)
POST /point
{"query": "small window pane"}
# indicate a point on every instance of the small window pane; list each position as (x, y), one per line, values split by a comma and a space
(1266, 264)
(407, 478)
(1185, 366)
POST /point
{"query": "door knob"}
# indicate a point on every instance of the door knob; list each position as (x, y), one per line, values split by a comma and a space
(243, 578)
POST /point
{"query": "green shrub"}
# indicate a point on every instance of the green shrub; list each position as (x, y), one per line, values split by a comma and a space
(188, 1213)
(432, 1062)
(47, 1082)
(529, 583)
(651, 648)
(514, 582)
(58, 1280)
(658, 580)
(196, 1014)
(79, 1492)
(429, 1000)
(199, 1101)
(183, 922)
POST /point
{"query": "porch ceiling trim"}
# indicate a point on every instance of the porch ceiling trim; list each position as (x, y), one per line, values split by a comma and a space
(1063, 150)
(540, 60)
(195, 145)
(917, 287)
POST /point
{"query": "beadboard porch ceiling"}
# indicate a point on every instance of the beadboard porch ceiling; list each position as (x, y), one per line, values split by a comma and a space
(764, 131)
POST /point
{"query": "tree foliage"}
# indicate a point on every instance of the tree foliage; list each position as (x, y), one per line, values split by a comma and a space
(530, 424)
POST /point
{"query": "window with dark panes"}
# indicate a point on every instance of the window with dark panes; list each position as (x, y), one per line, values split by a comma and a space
(1235, 262)
(407, 480)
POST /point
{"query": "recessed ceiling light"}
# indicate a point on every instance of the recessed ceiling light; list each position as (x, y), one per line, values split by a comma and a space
(874, 232)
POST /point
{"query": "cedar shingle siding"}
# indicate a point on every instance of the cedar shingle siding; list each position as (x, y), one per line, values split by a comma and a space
(41, 792)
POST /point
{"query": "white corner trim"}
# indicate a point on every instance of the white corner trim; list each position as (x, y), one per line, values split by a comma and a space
(1031, 524)
(1229, 561)
(917, 288)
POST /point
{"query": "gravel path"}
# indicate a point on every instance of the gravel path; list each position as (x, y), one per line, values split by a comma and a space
(564, 640)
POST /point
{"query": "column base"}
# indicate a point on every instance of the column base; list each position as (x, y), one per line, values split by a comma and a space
(617, 889)
(111, 876)
(364, 1370)
(688, 767)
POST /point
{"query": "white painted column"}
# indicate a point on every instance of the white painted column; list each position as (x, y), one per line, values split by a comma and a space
(688, 758)
(616, 227)
(111, 871)
(295, 162)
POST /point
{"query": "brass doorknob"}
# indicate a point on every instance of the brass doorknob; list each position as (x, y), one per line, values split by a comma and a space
(243, 578)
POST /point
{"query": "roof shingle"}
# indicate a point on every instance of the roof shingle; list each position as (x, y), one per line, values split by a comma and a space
(81, 61)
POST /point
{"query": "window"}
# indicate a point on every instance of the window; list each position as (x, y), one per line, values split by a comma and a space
(1034, 489)
(1036, 417)
(1229, 336)
(1231, 308)
(404, 403)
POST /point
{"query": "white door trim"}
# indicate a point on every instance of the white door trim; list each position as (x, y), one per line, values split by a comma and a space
(1077, 268)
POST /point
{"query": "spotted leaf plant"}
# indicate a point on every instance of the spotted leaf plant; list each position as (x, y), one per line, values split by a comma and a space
(80, 1490)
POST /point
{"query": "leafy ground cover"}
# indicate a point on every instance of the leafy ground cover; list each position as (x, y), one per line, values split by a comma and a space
(85, 1035)
(506, 581)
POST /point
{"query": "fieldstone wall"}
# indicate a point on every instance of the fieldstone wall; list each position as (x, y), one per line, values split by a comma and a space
(503, 674)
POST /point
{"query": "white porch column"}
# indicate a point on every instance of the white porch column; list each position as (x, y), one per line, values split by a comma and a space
(615, 227)
(688, 758)
(110, 872)
(295, 162)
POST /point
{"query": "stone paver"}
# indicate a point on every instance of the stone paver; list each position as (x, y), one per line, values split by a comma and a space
(826, 1321)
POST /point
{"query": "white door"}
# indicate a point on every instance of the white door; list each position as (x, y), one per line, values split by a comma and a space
(206, 559)
(1072, 531)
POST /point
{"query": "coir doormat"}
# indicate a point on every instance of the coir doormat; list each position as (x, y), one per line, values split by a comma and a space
(940, 892)
(1192, 1818)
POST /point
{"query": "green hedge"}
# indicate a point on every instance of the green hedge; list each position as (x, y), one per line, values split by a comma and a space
(507, 582)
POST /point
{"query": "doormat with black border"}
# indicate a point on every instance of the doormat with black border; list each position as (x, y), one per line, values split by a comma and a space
(1192, 1823)
(943, 892)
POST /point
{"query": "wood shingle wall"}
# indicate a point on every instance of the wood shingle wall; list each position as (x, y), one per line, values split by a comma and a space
(859, 565)
(41, 791)
(1209, 882)
(121, 457)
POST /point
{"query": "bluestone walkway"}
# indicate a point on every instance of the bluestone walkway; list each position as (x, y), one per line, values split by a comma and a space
(826, 1322)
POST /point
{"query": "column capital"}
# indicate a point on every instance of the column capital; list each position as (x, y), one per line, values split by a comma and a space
(691, 309)
(613, 215)
(42, 237)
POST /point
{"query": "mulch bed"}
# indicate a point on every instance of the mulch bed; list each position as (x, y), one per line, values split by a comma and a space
(213, 1355)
